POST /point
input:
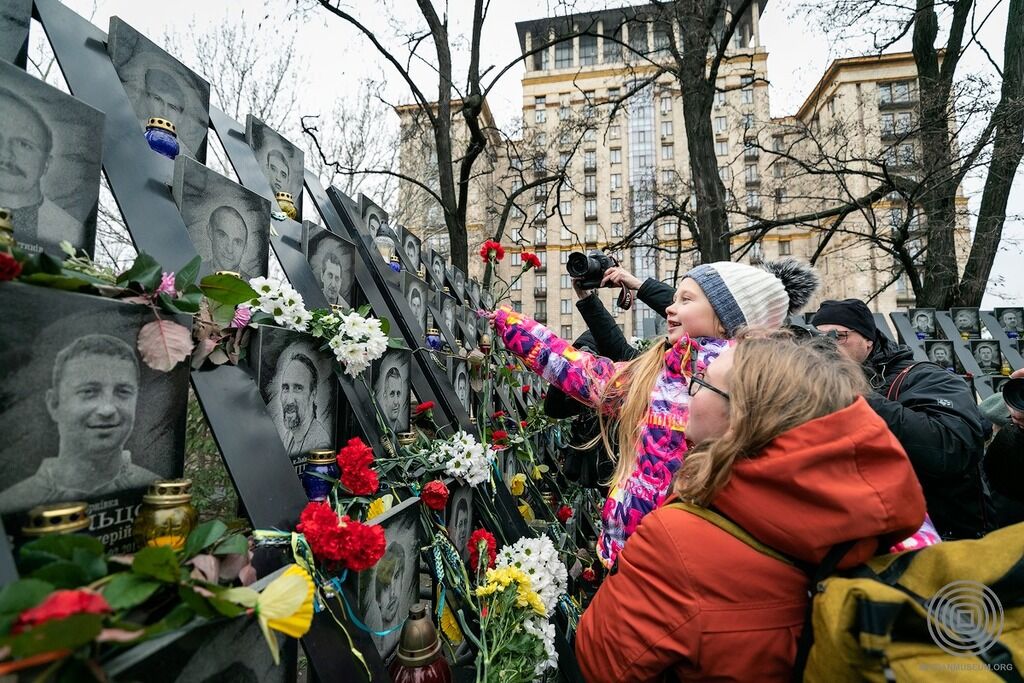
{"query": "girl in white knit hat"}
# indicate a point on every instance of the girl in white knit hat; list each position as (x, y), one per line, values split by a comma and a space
(649, 396)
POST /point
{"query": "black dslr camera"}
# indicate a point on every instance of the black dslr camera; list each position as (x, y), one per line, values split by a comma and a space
(589, 269)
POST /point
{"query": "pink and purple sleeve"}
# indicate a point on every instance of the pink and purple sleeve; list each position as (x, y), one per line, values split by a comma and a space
(579, 374)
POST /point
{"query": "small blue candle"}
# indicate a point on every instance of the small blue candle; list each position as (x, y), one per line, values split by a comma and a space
(162, 137)
(320, 462)
(434, 338)
(395, 264)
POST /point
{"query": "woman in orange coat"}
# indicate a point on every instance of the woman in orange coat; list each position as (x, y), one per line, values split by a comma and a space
(790, 452)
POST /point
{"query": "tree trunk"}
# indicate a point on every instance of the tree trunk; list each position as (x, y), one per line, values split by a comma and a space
(1007, 150)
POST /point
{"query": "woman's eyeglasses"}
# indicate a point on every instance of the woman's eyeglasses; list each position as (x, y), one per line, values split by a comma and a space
(697, 381)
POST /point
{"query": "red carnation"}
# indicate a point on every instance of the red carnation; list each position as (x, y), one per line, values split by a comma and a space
(424, 407)
(363, 544)
(522, 423)
(525, 389)
(589, 575)
(499, 436)
(355, 459)
(498, 415)
(435, 495)
(564, 513)
(530, 260)
(492, 250)
(9, 267)
(482, 539)
(61, 605)
(319, 524)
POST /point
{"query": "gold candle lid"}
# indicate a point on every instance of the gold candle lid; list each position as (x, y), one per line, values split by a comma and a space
(472, 420)
(162, 123)
(422, 273)
(57, 518)
(6, 222)
(447, 290)
(284, 197)
(418, 643)
(434, 331)
(169, 492)
(406, 438)
(321, 456)
(229, 272)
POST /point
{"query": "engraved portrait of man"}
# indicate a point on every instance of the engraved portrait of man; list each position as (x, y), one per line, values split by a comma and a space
(92, 400)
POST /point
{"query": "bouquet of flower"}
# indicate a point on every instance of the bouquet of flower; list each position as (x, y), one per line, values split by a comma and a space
(538, 559)
(279, 301)
(464, 457)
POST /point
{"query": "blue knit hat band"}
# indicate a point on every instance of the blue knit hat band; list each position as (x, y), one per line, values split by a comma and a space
(718, 294)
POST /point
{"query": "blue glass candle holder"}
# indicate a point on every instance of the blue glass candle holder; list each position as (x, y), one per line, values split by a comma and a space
(320, 462)
(434, 338)
(162, 137)
(395, 264)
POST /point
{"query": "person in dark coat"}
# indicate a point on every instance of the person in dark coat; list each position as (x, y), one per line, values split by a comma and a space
(1004, 457)
(932, 412)
(586, 462)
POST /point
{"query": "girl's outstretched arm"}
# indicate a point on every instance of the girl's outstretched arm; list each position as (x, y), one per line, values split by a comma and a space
(579, 374)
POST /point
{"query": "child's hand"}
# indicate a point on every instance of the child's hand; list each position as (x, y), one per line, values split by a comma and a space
(483, 313)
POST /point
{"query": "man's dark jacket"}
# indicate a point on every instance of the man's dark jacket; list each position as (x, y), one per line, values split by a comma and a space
(936, 419)
(590, 466)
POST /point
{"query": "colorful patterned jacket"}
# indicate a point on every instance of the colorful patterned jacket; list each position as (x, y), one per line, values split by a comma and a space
(584, 376)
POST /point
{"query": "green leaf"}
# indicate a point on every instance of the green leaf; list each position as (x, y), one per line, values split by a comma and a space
(196, 602)
(159, 562)
(236, 544)
(385, 325)
(69, 633)
(175, 619)
(94, 566)
(203, 536)
(145, 271)
(222, 314)
(396, 343)
(128, 589)
(171, 305)
(188, 274)
(48, 264)
(189, 301)
(228, 609)
(67, 283)
(62, 574)
(227, 289)
(18, 596)
(364, 310)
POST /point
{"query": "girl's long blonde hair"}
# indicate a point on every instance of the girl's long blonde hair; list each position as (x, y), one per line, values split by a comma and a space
(776, 383)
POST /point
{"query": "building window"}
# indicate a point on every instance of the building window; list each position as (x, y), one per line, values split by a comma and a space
(566, 233)
(614, 133)
(590, 184)
(566, 306)
(666, 104)
(567, 332)
(719, 98)
(565, 208)
(517, 306)
(540, 114)
(904, 123)
(747, 90)
(670, 229)
(750, 173)
(565, 281)
(638, 37)
(725, 173)
(563, 159)
(667, 152)
(662, 38)
(517, 234)
(613, 94)
(666, 129)
(721, 147)
(668, 176)
(615, 181)
(540, 308)
(563, 54)
(747, 121)
(778, 143)
(906, 153)
(720, 124)
(778, 170)
(780, 195)
(517, 259)
(563, 257)
(590, 135)
(897, 91)
(785, 248)
(564, 112)
(588, 50)
(590, 209)
(887, 123)
(616, 229)
(516, 285)
(615, 156)
(612, 51)
(590, 159)
(542, 58)
(565, 138)
(753, 200)
(543, 256)
(616, 205)
(590, 232)
(541, 234)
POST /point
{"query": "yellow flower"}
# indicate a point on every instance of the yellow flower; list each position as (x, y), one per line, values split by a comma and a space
(538, 473)
(526, 511)
(172, 542)
(450, 626)
(286, 605)
(528, 598)
(518, 484)
(379, 506)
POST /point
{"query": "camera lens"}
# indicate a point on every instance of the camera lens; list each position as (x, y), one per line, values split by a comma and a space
(578, 264)
(1013, 393)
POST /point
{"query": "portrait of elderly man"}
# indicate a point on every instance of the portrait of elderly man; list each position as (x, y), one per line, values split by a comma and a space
(391, 389)
(26, 157)
(966, 321)
(94, 389)
(299, 407)
(1010, 320)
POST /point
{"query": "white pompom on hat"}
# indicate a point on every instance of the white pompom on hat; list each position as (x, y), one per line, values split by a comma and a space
(755, 296)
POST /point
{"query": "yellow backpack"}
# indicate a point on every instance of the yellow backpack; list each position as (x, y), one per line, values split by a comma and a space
(949, 612)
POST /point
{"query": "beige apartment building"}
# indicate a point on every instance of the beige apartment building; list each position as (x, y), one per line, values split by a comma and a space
(621, 161)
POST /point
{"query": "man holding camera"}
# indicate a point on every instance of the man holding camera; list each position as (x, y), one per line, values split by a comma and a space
(1004, 459)
(932, 412)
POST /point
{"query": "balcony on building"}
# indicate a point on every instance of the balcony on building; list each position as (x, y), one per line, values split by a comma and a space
(540, 292)
(542, 318)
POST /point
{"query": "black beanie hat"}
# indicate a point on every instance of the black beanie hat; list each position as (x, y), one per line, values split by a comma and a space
(851, 313)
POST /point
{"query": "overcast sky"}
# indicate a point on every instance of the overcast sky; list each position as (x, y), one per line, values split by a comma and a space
(335, 59)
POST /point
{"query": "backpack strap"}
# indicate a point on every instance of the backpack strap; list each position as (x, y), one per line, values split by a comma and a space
(897, 384)
(733, 529)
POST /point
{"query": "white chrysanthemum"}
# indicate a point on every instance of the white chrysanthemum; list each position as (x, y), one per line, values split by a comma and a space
(263, 285)
(539, 560)
(545, 632)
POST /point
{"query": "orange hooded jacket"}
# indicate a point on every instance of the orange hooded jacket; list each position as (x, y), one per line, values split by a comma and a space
(690, 599)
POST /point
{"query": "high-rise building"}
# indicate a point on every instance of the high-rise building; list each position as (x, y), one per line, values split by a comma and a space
(605, 116)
